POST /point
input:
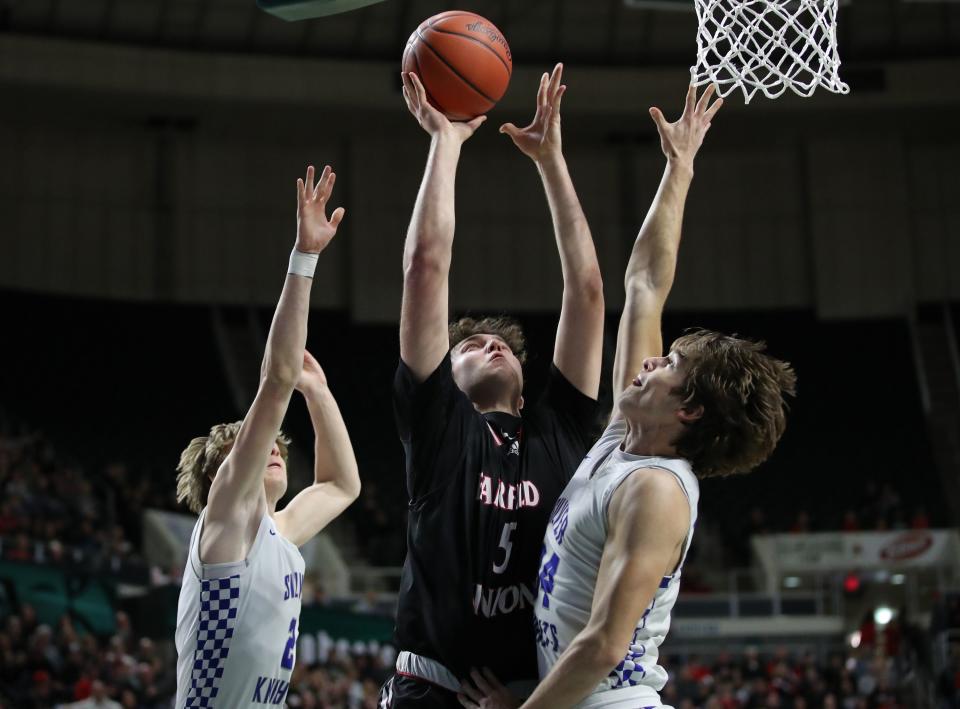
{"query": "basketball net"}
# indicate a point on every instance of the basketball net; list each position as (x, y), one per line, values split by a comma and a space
(768, 46)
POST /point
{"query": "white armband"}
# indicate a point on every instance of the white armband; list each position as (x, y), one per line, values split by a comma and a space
(302, 264)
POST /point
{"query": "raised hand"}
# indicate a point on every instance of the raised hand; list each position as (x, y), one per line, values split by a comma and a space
(429, 118)
(541, 139)
(311, 376)
(314, 230)
(681, 140)
(486, 692)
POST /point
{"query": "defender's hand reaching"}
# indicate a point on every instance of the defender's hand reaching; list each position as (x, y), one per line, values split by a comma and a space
(541, 139)
(486, 692)
(312, 376)
(681, 140)
(314, 230)
(429, 118)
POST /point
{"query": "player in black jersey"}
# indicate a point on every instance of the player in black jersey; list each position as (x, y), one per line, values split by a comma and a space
(483, 477)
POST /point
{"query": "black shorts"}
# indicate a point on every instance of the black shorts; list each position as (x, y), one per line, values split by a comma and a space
(403, 692)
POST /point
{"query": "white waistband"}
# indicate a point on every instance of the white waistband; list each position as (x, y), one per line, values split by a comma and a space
(426, 669)
(623, 698)
(413, 665)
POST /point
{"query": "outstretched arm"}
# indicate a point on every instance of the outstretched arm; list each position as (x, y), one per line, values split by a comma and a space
(336, 480)
(237, 500)
(653, 260)
(428, 250)
(579, 346)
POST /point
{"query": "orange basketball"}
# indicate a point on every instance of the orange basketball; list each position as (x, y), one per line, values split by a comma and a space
(463, 61)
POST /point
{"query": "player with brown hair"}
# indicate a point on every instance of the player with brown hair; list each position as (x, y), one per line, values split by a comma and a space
(483, 469)
(618, 536)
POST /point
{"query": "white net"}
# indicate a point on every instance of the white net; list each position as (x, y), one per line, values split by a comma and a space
(768, 46)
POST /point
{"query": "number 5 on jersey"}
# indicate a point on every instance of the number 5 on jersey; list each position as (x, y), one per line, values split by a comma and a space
(507, 547)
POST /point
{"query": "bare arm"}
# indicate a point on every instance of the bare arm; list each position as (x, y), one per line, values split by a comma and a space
(429, 246)
(653, 260)
(237, 500)
(579, 346)
(650, 512)
(336, 480)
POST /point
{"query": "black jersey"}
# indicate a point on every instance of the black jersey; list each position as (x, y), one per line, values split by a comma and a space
(481, 488)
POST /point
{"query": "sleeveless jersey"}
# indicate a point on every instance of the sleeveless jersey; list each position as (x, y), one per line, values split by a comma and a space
(237, 624)
(573, 547)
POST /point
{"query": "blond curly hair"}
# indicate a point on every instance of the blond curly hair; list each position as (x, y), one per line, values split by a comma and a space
(200, 461)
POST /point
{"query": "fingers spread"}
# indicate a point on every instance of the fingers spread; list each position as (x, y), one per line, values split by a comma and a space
(337, 217)
(481, 682)
(299, 191)
(712, 111)
(555, 78)
(559, 97)
(410, 93)
(471, 691)
(690, 104)
(705, 98)
(420, 91)
(542, 91)
(492, 678)
(466, 702)
(327, 179)
(657, 115)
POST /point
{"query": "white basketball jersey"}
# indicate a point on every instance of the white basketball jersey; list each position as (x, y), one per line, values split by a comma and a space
(573, 547)
(237, 624)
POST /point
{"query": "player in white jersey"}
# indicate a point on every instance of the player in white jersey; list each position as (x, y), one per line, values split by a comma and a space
(240, 600)
(613, 551)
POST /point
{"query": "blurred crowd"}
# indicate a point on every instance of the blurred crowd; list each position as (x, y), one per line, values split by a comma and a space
(751, 680)
(43, 666)
(52, 510)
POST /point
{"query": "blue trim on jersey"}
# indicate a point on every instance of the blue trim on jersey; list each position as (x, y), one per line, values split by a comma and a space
(665, 581)
(219, 603)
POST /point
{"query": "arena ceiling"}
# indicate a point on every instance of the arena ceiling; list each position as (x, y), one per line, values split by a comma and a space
(595, 32)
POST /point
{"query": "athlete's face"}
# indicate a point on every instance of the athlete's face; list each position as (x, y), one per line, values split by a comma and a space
(275, 478)
(652, 397)
(486, 369)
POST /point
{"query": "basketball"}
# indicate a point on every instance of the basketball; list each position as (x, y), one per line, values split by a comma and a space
(463, 61)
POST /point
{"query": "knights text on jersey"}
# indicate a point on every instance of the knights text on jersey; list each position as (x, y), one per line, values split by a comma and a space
(237, 624)
(572, 550)
(481, 487)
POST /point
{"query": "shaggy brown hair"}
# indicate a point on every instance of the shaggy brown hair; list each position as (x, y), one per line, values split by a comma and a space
(201, 460)
(505, 328)
(742, 392)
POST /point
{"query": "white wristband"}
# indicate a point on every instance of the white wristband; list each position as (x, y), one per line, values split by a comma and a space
(302, 264)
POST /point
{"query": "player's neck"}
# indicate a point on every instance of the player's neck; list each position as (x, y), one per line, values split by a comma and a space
(649, 440)
(500, 407)
(272, 501)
